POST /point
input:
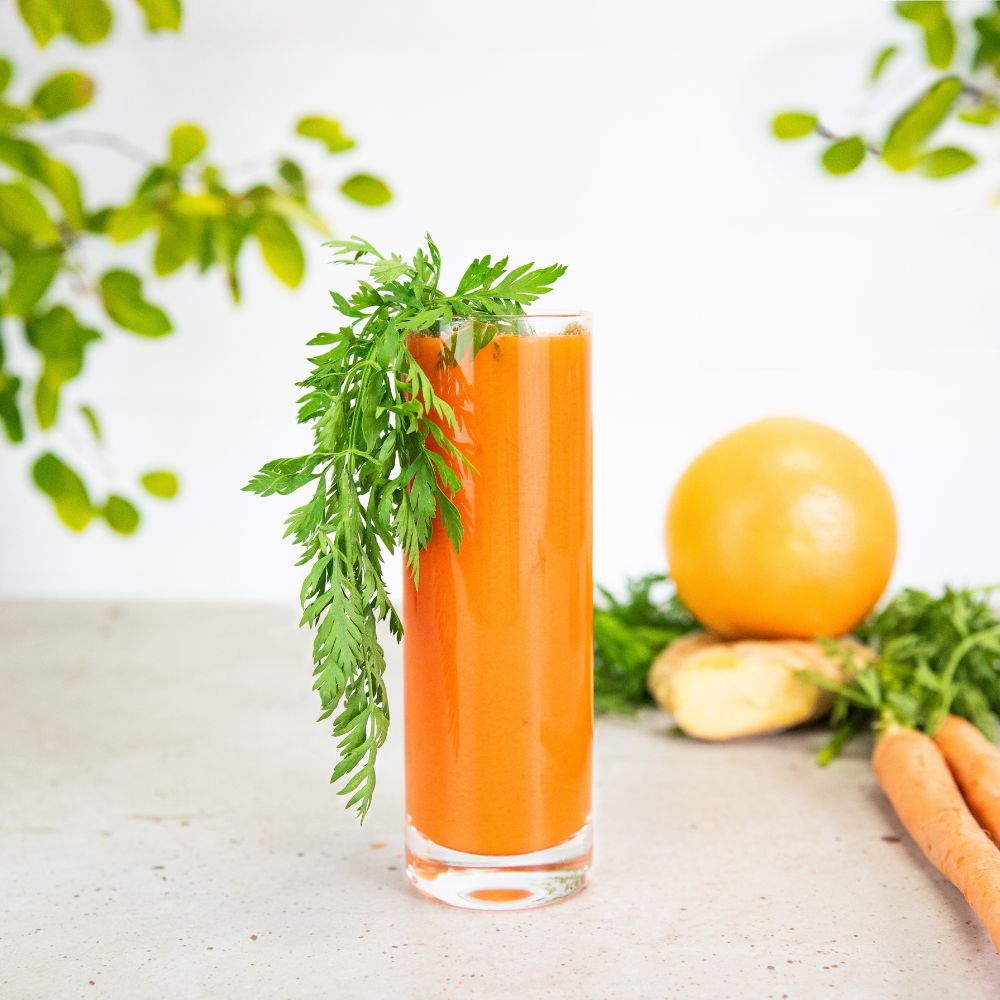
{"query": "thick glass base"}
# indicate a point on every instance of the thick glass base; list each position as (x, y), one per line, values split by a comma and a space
(498, 882)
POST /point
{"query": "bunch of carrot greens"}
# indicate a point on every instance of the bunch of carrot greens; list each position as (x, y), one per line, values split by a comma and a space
(938, 665)
(628, 635)
(376, 476)
(931, 694)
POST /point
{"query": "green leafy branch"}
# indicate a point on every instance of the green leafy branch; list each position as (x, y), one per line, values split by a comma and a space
(185, 205)
(971, 97)
(383, 471)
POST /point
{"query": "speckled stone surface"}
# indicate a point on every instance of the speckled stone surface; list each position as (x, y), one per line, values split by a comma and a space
(166, 831)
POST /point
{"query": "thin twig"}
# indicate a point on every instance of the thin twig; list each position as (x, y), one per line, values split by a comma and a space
(105, 139)
(826, 133)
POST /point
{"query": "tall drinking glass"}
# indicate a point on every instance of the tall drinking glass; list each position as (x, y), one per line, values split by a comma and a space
(498, 655)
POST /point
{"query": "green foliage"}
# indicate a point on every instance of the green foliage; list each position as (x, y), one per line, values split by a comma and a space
(61, 341)
(882, 60)
(628, 635)
(63, 93)
(90, 418)
(327, 131)
(945, 162)
(23, 215)
(187, 210)
(936, 655)
(967, 44)
(65, 489)
(162, 14)
(844, 155)
(86, 21)
(939, 33)
(160, 483)
(366, 190)
(917, 123)
(793, 124)
(89, 21)
(987, 32)
(281, 249)
(121, 292)
(187, 142)
(121, 515)
(376, 476)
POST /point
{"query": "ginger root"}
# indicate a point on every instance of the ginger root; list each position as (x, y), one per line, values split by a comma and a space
(721, 690)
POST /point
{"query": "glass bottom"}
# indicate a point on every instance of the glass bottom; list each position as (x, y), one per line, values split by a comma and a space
(495, 881)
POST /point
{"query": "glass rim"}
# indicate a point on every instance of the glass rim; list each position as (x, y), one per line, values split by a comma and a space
(487, 317)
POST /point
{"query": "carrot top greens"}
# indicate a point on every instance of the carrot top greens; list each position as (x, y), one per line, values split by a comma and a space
(376, 474)
(936, 655)
(628, 635)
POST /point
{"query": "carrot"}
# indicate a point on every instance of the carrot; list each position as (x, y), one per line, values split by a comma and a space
(975, 763)
(911, 771)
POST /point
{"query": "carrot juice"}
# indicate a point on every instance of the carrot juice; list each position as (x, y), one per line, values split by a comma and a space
(498, 636)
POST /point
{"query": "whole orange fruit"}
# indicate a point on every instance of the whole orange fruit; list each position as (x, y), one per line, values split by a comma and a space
(783, 528)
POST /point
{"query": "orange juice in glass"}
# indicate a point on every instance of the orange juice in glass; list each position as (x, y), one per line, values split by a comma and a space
(498, 636)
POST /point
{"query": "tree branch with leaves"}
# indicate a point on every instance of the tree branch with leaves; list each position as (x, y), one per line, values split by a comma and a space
(967, 52)
(187, 210)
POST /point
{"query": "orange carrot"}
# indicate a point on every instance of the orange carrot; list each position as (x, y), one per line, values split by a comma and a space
(975, 763)
(912, 773)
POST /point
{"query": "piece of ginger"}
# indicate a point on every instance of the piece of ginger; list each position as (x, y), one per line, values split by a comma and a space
(721, 690)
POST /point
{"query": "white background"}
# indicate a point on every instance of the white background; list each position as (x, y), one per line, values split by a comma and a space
(729, 278)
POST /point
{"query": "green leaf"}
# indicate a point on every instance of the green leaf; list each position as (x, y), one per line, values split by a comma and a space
(33, 273)
(160, 483)
(919, 121)
(844, 155)
(175, 246)
(32, 161)
(366, 190)
(982, 114)
(121, 292)
(90, 418)
(162, 15)
(63, 183)
(945, 162)
(60, 94)
(291, 173)
(988, 50)
(65, 489)
(10, 115)
(46, 402)
(22, 213)
(281, 249)
(187, 142)
(121, 515)
(129, 221)
(793, 124)
(918, 11)
(939, 33)
(939, 40)
(199, 205)
(6, 73)
(88, 21)
(882, 60)
(61, 340)
(326, 131)
(10, 412)
(44, 18)
(296, 210)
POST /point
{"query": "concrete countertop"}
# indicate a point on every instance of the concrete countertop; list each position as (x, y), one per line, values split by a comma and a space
(167, 831)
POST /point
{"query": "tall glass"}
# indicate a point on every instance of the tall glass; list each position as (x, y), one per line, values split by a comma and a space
(498, 655)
